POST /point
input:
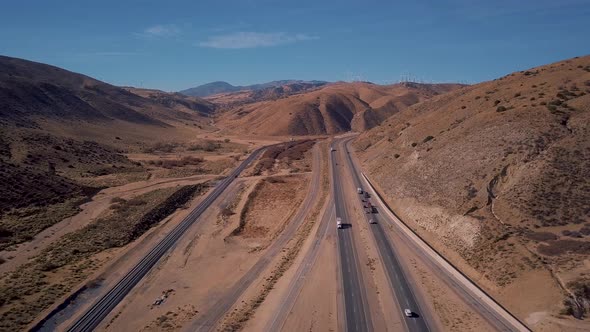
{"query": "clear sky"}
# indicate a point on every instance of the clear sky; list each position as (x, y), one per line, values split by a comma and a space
(173, 45)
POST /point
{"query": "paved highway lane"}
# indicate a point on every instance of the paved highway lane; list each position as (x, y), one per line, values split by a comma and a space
(100, 309)
(477, 299)
(358, 317)
(401, 288)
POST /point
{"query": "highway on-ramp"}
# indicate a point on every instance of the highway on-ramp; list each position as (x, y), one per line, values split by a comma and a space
(101, 308)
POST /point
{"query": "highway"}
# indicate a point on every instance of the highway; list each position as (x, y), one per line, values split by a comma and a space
(400, 287)
(101, 308)
(481, 302)
(358, 317)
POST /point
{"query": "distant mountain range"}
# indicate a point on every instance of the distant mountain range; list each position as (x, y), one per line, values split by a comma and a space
(224, 87)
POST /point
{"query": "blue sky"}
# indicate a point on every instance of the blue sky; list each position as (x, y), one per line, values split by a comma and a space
(172, 45)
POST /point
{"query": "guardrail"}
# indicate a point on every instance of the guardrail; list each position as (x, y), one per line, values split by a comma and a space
(454, 272)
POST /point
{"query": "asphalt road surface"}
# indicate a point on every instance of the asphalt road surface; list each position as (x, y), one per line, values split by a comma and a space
(401, 288)
(356, 308)
(100, 309)
(482, 303)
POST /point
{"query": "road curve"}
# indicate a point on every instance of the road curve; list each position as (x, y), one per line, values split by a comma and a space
(358, 317)
(100, 309)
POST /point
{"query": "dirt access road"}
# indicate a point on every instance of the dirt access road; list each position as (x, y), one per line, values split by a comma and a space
(210, 318)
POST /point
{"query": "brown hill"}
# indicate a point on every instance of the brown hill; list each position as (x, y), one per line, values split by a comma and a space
(58, 128)
(332, 109)
(496, 176)
(239, 98)
(175, 100)
(31, 93)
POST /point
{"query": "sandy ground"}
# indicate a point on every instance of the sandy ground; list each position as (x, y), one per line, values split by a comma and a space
(193, 270)
(121, 260)
(206, 262)
(316, 306)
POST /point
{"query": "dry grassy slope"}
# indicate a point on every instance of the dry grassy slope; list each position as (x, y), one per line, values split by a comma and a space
(236, 99)
(175, 100)
(482, 168)
(56, 126)
(34, 94)
(333, 109)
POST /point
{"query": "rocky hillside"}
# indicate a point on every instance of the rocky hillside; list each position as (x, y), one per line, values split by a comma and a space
(496, 176)
(332, 109)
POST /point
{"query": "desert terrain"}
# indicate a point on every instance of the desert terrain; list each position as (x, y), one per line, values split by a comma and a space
(494, 176)
(295, 205)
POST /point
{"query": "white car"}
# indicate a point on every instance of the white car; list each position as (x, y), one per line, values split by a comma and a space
(372, 221)
(408, 313)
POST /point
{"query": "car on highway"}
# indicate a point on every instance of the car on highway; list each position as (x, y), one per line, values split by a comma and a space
(372, 221)
(339, 222)
(359, 190)
(408, 313)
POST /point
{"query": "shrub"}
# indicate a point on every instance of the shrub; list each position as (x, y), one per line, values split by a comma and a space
(501, 109)
(227, 211)
(496, 102)
(517, 95)
(428, 138)
(542, 236)
(414, 144)
(226, 140)
(397, 156)
(275, 180)
(118, 200)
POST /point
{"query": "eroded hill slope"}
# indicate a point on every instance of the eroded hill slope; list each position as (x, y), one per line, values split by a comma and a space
(496, 175)
(332, 109)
